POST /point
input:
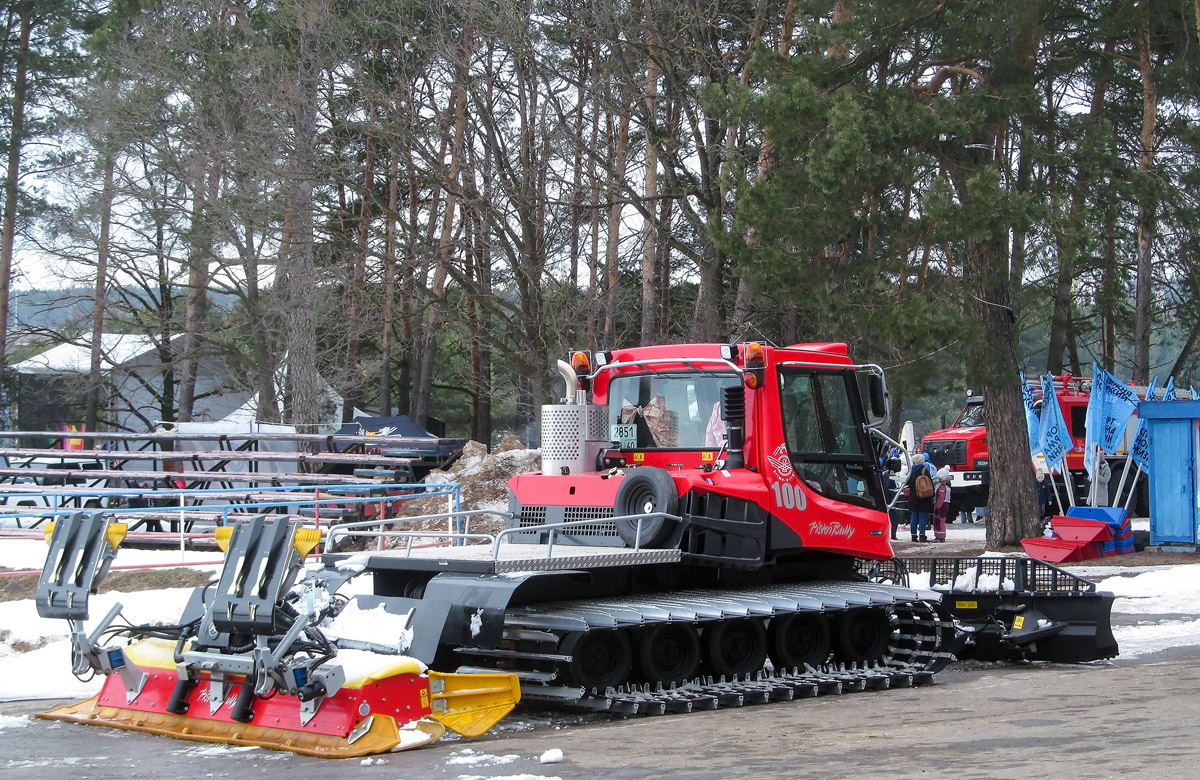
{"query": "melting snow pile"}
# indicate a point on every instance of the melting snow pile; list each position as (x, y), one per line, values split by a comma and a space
(482, 478)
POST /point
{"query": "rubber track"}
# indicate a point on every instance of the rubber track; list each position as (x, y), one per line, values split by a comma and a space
(760, 688)
(916, 652)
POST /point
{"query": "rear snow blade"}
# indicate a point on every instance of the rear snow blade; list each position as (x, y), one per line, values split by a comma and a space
(1023, 609)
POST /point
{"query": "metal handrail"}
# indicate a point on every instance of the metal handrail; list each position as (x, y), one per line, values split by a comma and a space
(352, 529)
(495, 540)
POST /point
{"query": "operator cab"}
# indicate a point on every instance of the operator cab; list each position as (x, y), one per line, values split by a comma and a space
(826, 435)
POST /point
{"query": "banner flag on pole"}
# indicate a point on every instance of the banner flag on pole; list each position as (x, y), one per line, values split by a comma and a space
(1110, 406)
(1031, 417)
(1169, 394)
(1054, 440)
(1139, 451)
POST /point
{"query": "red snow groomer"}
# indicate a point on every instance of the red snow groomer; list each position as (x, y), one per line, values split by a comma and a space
(708, 529)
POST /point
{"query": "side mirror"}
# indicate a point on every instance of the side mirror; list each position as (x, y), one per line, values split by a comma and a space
(878, 393)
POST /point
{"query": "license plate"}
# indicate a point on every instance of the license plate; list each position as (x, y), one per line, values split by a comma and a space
(625, 436)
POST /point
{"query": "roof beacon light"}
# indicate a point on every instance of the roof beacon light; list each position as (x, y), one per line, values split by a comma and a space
(579, 362)
(756, 364)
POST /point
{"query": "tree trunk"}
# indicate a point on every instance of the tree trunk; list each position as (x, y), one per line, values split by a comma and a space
(1110, 288)
(16, 140)
(197, 290)
(99, 300)
(353, 376)
(1012, 513)
(389, 287)
(166, 318)
(744, 302)
(593, 310)
(1147, 220)
(423, 384)
(649, 208)
(263, 339)
(300, 261)
(1066, 235)
(619, 146)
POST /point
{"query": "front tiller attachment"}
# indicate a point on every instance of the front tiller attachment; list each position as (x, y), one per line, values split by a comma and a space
(249, 663)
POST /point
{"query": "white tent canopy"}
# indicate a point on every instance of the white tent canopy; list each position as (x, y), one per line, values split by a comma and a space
(116, 349)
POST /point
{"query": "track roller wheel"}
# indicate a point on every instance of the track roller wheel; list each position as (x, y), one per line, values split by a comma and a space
(796, 640)
(734, 647)
(863, 635)
(668, 653)
(599, 659)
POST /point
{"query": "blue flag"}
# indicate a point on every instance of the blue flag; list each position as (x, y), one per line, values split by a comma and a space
(1169, 394)
(1111, 405)
(1139, 451)
(1054, 440)
(1031, 417)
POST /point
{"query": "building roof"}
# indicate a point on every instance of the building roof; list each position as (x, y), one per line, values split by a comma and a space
(117, 349)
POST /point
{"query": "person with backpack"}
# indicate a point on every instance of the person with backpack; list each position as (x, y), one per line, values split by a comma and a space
(920, 497)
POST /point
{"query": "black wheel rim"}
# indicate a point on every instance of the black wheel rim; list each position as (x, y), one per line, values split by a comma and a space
(599, 659)
(864, 635)
(643, 500)
(670, 654)
(800, 640)
(736, 647)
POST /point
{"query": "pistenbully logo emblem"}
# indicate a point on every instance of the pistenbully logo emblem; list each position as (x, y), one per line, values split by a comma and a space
(781, 461)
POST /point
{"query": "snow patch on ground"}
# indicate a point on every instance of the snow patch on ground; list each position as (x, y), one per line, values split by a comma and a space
(1169, 591)
(470, 757)
(1152, 637)
(506, 777)
(45, 671)
(30, 555)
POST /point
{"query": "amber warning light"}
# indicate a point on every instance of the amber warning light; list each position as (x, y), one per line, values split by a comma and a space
(756, 362)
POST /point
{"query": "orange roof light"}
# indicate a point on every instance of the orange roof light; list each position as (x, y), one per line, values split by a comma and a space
(756, 363)
(580, 363)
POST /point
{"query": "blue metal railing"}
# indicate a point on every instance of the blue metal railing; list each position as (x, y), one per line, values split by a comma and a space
(48, 503)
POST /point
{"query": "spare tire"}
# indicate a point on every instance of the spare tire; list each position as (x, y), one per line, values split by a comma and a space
(644, 490)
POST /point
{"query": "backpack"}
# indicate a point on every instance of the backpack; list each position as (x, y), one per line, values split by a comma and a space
(924, 485)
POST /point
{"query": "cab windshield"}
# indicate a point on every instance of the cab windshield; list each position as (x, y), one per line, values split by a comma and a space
(826, 439)
(668, 411)
(971, 417)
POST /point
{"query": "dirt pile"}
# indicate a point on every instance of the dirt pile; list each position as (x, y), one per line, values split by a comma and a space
(482, 478)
